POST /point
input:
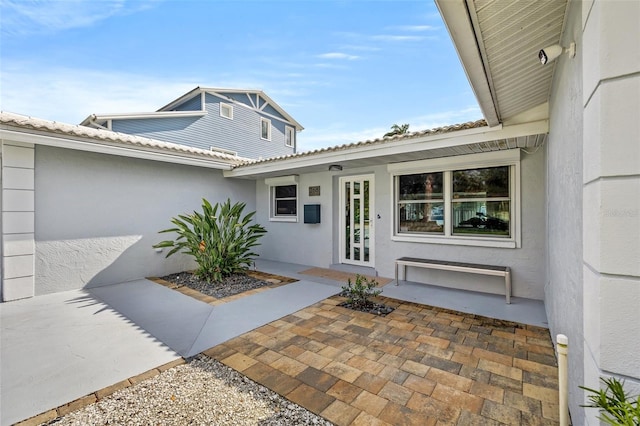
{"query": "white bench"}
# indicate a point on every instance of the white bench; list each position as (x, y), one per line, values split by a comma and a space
(473, 268)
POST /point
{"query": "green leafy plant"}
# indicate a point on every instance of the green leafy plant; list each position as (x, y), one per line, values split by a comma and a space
(220, 239)
(358, 293)
(615, 405)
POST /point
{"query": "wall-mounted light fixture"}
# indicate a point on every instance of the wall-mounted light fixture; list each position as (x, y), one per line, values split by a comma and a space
(550, 53)
(335, 168)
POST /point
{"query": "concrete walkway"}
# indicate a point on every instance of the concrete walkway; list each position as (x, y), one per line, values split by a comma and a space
(60, 347)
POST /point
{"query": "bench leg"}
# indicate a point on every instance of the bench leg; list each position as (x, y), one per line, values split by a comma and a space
(507, 283)
(397, 283)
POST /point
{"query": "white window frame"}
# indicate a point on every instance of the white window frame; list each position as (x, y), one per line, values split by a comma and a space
(265, 120)
(230, 109)
(292, 131)
(447, 165)
(282, 181)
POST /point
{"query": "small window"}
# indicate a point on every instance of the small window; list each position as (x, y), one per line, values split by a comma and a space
(290, 136)
(226, 111)
(284, 201)
(265, 129)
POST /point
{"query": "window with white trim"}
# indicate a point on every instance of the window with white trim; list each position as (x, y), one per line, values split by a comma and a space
(226, 111)
(467, 200)
(290, 136)
(265, 129)
(284, 201)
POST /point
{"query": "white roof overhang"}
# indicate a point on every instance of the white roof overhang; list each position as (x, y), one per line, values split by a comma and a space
(475, 140)
(22, 129)
(498, 43)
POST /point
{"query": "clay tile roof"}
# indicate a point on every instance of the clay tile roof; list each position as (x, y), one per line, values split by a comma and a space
(378, 141)
(113, 138)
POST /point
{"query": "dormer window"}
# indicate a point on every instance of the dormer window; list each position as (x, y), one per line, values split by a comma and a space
(226, 111)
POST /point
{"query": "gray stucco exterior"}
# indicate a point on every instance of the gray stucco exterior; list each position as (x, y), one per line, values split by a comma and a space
(98, 215)
(317, 244)
(240, 134)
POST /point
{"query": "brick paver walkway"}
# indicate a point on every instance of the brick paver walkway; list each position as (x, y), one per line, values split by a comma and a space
(418, 365)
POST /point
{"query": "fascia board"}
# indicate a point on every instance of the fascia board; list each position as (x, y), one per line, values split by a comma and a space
(456, 18)
(102, 148)
(425, 143)
(190, 94)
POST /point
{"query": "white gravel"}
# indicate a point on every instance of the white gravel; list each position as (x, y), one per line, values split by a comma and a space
(201, 392)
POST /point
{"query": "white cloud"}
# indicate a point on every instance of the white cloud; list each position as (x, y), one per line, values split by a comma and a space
(20, 17)
(337, 55)
(311, 139)
(396, 38)
(445, 118)
(416, 28)
(70, 95)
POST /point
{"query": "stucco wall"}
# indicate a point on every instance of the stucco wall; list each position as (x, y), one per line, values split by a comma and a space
(563, 290)
(314, 245)
(299, 242)
(98, 215)
(611, 193)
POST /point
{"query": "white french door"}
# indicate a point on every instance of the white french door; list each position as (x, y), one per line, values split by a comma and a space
(356, 220)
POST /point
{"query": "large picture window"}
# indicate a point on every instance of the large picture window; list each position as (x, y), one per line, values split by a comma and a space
(464, 200)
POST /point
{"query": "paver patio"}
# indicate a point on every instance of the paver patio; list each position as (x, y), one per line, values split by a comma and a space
(419, 365)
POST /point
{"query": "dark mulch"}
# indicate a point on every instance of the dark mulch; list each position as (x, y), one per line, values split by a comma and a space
(369, 307)
(229, 286)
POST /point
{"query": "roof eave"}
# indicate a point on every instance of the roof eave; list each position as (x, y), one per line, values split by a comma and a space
(36, 137)
(380, 150)
(458, 22)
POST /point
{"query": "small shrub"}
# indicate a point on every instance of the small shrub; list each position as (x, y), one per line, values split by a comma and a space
(220, 239)
(615, 405)
(358, 294)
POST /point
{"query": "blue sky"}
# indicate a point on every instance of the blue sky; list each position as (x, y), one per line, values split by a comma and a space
(346, 70)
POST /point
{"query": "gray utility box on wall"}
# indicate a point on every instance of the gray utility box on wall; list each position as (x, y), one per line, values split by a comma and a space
(312, 213)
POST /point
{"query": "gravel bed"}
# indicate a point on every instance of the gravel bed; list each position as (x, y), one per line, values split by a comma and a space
(201, 392)
(234, 284)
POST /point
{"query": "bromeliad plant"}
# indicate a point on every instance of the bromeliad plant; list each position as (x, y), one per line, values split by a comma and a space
(220, 239)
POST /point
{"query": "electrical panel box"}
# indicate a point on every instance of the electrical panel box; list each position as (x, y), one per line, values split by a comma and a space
(312, 213)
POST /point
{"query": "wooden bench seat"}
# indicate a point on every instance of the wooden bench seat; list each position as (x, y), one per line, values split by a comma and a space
(473, 268)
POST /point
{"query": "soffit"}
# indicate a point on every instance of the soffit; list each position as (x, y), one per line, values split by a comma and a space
(509, 34)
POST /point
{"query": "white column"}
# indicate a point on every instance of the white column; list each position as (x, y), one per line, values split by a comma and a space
(18, 216)
(611, 192)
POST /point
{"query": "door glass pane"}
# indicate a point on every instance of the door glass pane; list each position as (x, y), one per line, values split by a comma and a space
(356, 221)
(347, 220)
(356, 188)
(366, 220)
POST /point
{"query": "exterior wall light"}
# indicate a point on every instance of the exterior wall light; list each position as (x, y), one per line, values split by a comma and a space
(335, 168)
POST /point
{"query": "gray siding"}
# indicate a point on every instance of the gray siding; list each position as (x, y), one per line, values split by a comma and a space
(193, 104)
(242, 134)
